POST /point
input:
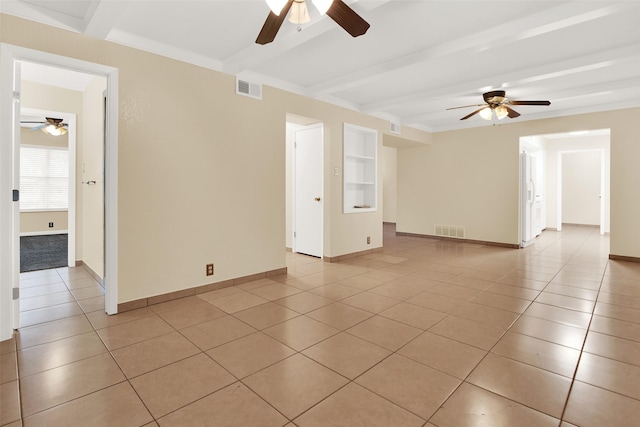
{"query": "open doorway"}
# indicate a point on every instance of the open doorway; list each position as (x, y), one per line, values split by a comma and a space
(567, 181)
(13, 96)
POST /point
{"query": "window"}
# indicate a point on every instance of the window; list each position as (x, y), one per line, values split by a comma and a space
(44, 178)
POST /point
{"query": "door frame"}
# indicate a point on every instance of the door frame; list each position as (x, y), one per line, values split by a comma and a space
(70, 119)
(10, 55)
(293, 187)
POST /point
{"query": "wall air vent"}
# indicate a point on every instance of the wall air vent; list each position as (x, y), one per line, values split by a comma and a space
(394, 128)
(450, 231)
(245, 88)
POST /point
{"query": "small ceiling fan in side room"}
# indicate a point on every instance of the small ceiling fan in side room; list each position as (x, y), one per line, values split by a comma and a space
(337, 10)
(497, 101)
(51, 126)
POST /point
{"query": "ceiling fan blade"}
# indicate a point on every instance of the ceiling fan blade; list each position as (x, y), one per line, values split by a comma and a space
(529, 102)
(347, 18)
(39, 127)
(511, 112)
(273, 24)
(473, 114)
(466, 106)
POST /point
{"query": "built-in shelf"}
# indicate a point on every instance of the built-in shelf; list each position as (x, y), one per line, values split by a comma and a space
(360, 149)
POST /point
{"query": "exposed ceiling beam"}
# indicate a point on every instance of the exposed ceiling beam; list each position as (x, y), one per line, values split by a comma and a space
(102, 17)
(552, 19)
(254, 55)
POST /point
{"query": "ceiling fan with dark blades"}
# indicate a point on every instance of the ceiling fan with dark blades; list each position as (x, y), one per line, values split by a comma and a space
(497, 101)
(52, 126)
(337, 10)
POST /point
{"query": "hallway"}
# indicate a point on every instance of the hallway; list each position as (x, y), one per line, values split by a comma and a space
(425, 333)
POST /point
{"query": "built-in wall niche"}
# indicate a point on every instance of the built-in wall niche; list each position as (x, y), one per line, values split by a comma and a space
(360, 169)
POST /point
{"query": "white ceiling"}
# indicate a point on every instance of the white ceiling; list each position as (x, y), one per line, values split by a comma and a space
(417, 59)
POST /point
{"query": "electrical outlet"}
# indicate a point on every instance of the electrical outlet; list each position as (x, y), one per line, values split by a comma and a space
(50, 225)
(209, 269)
(368, 240)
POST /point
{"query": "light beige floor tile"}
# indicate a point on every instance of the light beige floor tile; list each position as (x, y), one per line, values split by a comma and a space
(614, 348)
(415, 282)
(80, 281)
(275, 291)
(436, 302)
(219, 293)
(618, 312)
(255, 284)
(454, 291)
(8, 346)
(265, 315)
(92, 304)
(52, 331)
(356, 406)
(238, 302)
(591, 406)
(84, 293)
(486, 315)
(385, 332)
(57, 353)
(340, 316)
(542, 354)
(117, 405)
(446, 355)
(233, 406)
(45, 300)
(301, 332)
(617, 299)
(145, 356)
(609, 374)
(370, 302)
(572, 291)
(513, 291)
(197, 311)
(468, 332)
(513, 380)
(53, 387)
(179, 384)
(559, 315)
(10, 402)
(29, 282)
(133, 332)
(250, 354)
(47, 314)
(503, 302)
(8, 367)
(413, 315)
(101, 320)
(295, 384)
(217, 332)
(564, 301)
(304, 302)
(35, 291)
(347, 355)
(335, 291)
(472, 406)
(616, 328)
(550, 331)
(409, 384)
(394, 291)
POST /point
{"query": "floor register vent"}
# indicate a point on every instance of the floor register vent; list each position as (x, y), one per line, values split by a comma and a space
(252, 90)
(450, 231)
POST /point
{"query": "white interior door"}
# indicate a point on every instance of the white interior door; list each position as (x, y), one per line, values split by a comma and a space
(16, 205)
(527, 199)
(308, 195)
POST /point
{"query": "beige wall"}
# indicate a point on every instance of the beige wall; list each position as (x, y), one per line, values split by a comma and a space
(209, 186)
(470, 178)
(389, 160)
(91, 168)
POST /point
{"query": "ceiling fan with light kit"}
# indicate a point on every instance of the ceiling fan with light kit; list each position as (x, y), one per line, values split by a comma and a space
(337, 10)
(497, 101)
(51, 126)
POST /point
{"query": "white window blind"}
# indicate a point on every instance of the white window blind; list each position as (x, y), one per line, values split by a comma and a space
(44, 178)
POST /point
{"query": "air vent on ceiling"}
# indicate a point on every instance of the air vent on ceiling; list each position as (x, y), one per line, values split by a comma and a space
(450, 231)
(394, 128)
(249, 89)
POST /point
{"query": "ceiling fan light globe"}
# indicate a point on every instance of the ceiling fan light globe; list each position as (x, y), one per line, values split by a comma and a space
(276, 5)
(322, 5)
(299, 13)
(486, 113)
(501, 112)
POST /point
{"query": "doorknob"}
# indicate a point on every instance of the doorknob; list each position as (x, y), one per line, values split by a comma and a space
(317, 199)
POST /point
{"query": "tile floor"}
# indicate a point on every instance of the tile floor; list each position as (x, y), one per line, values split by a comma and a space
(425, 333)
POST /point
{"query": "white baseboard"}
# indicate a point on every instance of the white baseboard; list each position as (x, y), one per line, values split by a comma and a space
(43, 233)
